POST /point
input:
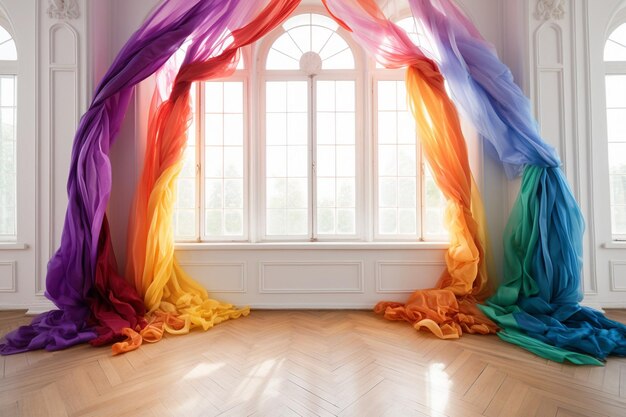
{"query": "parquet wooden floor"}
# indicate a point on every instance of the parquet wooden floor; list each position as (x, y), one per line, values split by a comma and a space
(307, 363)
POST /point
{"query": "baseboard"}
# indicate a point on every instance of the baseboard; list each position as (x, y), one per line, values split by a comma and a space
(310, 306)
(31, 309)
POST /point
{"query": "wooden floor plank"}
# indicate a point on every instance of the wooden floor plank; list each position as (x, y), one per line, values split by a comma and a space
(307, 363)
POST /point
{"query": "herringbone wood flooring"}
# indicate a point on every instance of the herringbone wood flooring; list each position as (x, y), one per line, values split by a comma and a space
(307, 363)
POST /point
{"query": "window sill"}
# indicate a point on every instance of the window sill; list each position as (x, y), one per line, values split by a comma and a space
(616, 244)
(13, 246)
(313, 246)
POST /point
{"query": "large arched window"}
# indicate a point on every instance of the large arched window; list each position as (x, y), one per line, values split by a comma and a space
(8, 146)
(311, 143)
(335, 154)
(615, 79)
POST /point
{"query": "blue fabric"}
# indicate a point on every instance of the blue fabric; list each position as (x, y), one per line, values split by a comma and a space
(537, 303)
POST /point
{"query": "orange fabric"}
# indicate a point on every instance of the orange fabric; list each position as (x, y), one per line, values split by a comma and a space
(450, 309)
(177, 303)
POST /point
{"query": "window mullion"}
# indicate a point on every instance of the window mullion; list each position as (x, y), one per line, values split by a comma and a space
(200, 121)
(313, 156)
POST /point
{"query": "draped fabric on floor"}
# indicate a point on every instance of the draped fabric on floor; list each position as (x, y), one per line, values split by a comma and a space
(94, 303)
(537, 303)
(166, 288)
(450, 309)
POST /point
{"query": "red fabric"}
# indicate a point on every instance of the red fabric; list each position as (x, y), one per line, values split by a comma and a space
(115, 304)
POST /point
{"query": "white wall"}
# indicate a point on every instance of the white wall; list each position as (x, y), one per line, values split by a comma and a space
(60, 60)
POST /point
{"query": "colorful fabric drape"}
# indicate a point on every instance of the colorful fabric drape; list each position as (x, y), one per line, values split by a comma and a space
(166, 288)
(450, 309)
(537, 302)
(94, 302)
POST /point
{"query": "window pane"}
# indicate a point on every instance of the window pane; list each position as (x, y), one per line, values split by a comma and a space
(214, 135)
(276, 193)
(345, 221)
(276, 97)
(345, 95)
(615, 47)
(435, 203)
(296, 97)
(618, 220)
(233, 194)
(407, 221)
(276, 222)
(618, 189)
(214, 97)
(342, 60)
(276, 129)
(388, 221)
(286, 45)
(233, 222)
(397, 166)
(8, 169)
(387, 95)
(224, 161)
(297, 222)
(616, 91)
(297, 129)
(8, 52)
(185, 224)
(279, 61)
(346, 128)
(616, 128)
(325, 128)
(325, 96)
(336, 157)
(287, 159)
(302, 37)
(617, 158)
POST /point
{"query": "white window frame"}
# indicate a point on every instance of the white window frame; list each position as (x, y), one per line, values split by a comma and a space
(10, 68)
(198, 89)
(255, 76)
(612, 68)
(356, 75)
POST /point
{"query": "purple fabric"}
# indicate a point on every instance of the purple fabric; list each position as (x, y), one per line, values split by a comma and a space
(484, 89)
(71, 271)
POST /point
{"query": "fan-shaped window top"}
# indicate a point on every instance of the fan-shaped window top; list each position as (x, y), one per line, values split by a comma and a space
(310, 42)
(615, 47)
(8, 52)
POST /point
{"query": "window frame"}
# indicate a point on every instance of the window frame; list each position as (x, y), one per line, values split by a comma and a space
(612, 68)
(254, 76)
(357, 75)
(11, 68)
(198, 90)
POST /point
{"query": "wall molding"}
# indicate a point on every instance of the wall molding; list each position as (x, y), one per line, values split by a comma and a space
(612, 274)
(13, 266)
(243, 276)
(265, 289)
(381, 289)
(63, 9)
(549, 10)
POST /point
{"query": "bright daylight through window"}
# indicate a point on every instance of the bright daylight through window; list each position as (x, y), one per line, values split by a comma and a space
(302, 174)
(615, 79)
(8, 144)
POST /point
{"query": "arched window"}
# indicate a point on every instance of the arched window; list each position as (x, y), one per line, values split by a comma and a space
(615, 80)
(8, 146)
(311, 143)
(409, 204)
(335, 154)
